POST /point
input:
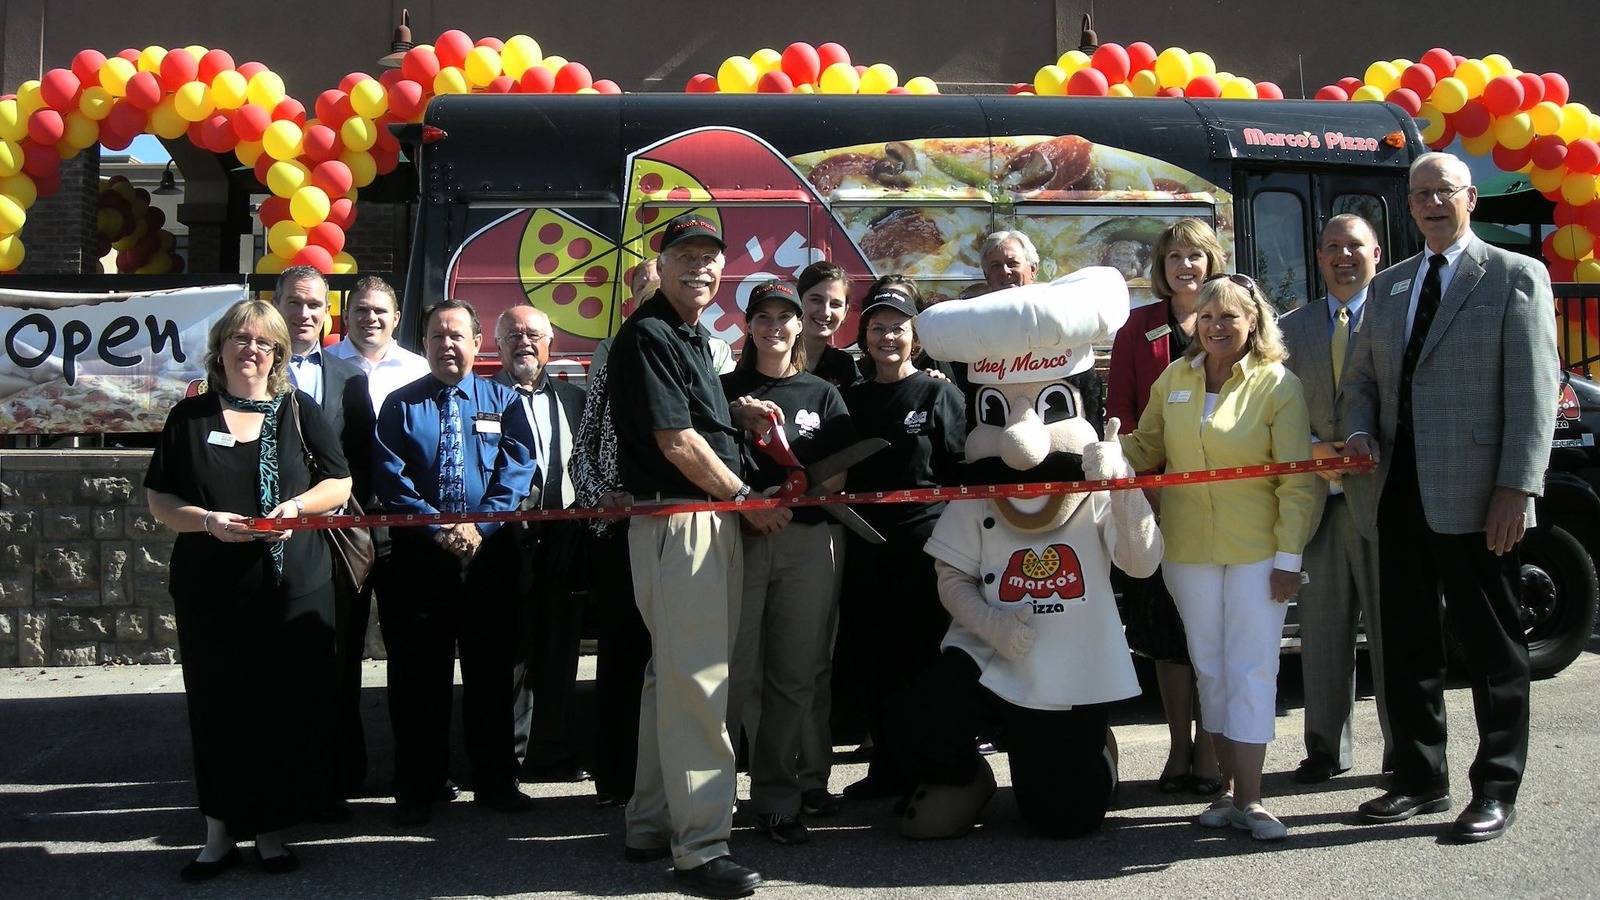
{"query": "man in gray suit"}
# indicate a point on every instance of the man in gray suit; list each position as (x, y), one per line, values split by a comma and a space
(1455, 378)
(1342, 557)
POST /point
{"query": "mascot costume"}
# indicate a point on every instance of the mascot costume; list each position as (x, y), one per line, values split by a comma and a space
(1035, 650)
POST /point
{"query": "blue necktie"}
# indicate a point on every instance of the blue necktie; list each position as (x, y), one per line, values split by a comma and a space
(452, 474)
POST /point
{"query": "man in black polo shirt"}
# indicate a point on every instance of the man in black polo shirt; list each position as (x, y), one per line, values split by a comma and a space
(676, 440)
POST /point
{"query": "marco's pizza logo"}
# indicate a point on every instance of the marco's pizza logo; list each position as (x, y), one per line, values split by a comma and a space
(1053, 573)
(1567, 408)
(807, 422)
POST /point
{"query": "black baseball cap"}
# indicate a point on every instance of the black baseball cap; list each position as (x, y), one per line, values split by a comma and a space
(891, 298)
(691, 225)
(771, 290)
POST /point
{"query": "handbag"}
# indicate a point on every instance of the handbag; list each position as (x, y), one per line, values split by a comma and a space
(352, 547)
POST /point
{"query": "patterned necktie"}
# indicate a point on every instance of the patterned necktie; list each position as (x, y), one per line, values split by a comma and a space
(1341, 341)
(452, 474)
(1427, 308)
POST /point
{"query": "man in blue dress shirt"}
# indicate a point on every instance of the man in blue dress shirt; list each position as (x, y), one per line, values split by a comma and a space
(452, 442)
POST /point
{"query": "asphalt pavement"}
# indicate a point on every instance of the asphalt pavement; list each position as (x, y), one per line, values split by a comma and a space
(96, 800)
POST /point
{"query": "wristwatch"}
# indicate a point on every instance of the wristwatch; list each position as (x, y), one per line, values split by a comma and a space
(741, 493)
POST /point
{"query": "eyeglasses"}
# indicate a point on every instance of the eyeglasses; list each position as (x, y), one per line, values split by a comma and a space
(878, 332)
(245, 342)
(1442, 195)
(1242, 280)
(516, 337)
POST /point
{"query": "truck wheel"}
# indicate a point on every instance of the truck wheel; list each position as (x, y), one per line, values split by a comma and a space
(1559, 595)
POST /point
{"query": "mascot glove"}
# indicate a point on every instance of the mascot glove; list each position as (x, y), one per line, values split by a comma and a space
(1103, 460)
(1006, 630)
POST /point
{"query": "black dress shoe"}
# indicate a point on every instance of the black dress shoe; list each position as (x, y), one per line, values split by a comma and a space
(412, 813)
(197, 871)
(720, 878)
(1317, 769)
(556, 773)
(1397, 807)
(1484, 820)
(281, 864)
(645, 854)
(606, 800)
(448, 792)
(506, 799)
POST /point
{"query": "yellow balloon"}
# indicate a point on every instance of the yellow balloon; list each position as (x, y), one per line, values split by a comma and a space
(165, 120)
(197, 51)
(13, 125)
(362, 167)
(839, 78)
(1145, 83)
(20, 187)
(228, 90)
(1119, 90)
(1449, 95)
(1514, 131)
(114, 75)
(1400, 64)
(1481, 145)
(1545, 180)
(285, 177)
(1545, 117)
(1430, 121)
(12, 215)
(369, 99)
(1474, 74)
(1382, 75)
(29, 99)
(1050, 81)
(1239, 89)
(1587, 272)
(358, 133)
(766, 60)
(309, 206)
(1073, 60)
(150, 59)
(283, 140)
(1574, 122)
(1174, 67)
(808, 88)
(82, 132)
(1497, 65)
(286, 238)
(553, 63)
(95, 102)
(248, 152)
(587, 90)
(451, 80)
(519, 54)
(265, 90)
(922, 84)
(271, 264)
(482, 66)
(1203, 63)
(1578, 188)
(193, 101)
(879, 78)
(344, 264)
(11, 253)
(1572, 242)
(737, 75)
(1367, 92)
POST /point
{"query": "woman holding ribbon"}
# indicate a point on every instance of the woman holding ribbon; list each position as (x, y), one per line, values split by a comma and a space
(254, 607)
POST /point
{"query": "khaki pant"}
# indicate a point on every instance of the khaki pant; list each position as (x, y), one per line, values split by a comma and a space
(687, 573)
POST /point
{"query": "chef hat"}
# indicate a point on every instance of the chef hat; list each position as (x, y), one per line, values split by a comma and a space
(1038, 332)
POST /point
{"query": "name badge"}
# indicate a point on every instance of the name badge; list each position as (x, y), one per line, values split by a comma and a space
(1179, 397)
(221, 439)
(1400, 287)
(1158, 333)
(486, 426)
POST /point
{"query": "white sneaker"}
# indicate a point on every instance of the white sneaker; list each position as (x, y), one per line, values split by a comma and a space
(1262, 825)
(1218, 815)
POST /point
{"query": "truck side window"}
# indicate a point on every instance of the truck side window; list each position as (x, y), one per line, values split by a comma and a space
(1281, 267)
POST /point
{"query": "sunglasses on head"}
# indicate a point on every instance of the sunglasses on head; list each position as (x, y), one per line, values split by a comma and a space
(1244, 281)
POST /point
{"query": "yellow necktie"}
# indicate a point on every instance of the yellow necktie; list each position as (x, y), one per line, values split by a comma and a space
(1341, 340)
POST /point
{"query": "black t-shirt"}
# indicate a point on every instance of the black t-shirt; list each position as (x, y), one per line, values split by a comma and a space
(189, 466)
(924, 420)
(837, 367)
(815, 420)
(661, 379)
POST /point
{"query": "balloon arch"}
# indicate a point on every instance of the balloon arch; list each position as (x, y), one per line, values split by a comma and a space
(314, 162)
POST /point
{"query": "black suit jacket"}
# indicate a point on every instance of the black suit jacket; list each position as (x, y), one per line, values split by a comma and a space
(349, 409)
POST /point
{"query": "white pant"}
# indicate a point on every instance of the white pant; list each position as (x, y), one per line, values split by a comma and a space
(1234, 629)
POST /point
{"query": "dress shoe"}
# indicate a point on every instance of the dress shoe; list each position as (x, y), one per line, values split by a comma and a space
(1395, 806)
(1483, 820)
(719, 878)
(819, 802)
(197, 871)
(606, 800)
(282, 864)
(645, 854)
(1317, 769)
(412, 813)
(505, 799)
(449, 791)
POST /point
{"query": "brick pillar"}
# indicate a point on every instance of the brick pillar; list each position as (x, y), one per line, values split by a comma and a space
(59, 233)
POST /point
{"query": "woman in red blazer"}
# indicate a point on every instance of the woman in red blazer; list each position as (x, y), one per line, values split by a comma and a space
(1186, 252)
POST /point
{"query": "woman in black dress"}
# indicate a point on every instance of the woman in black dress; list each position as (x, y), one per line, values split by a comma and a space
(891, 621)
(254, 608)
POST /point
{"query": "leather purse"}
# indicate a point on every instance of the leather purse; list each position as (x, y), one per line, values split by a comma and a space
(352, 548)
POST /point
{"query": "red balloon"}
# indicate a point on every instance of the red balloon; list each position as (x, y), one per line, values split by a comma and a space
(1021, 87)
(218, 133)
(1445, 139)
(1561, 269)
(775, 82)
(144, 90)
(1088, 82)
(249, 121)
(1331, 92)
(701, 84)
(314, 256)
(40, 159)
(860, 70)
(125, 120)
(321, 143)
(1532, 90)
(1406, 99)
(452, 47)
(1509, 160)
(897, 89)
(178, 265)
(334, 177)
(1502, 96)
(251, 69)
(130, 54)
(1441, 61)
(384, 159)
(1548, 152)
(213, 63)
(46, 126)
(1472, 119)
(47, 184)
(801, 63)
(86, 65)
(197, 135)
(390, 77)
(1420, 78)
(1204, 86)
(1173, 91)
(1267, 90)
(326, 235)
(273, 210)
(420, 65)
(500, 84)
(341, 212)
(178, 68)
(60, 89)
(154, 218)
(354, 78)
(607, 86)
(333, 107)
(383, 138)
(831, 53)
(406, 98)
(572, 78)
(1141, 56)
(1112, 61)
(493, 43)
(290, 110)
(1565, 213)
(262, 164)
(1583, 155)
(1589, 217)
(1350, 84)
(536, 80)
(1555, 88)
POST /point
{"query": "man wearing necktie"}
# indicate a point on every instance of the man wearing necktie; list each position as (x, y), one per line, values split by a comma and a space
(552, 553)
(1341, 559)
(452, 442)
(341, 390)
(1452, 384)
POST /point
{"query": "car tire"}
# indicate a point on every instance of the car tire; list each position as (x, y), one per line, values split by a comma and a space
(1560, 592)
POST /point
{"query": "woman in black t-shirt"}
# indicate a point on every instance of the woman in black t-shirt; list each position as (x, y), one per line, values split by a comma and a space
(824, 289)
(891, 621)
